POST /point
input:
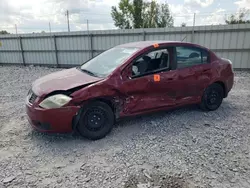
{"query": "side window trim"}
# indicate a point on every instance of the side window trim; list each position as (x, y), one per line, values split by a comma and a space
(207, 53)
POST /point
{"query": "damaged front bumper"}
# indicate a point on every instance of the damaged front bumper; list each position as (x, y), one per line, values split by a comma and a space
(52, 120)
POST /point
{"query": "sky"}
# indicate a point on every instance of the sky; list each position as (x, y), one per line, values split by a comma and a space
(35, 15)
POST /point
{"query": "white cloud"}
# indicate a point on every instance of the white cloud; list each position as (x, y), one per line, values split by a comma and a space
(35, 15)
(182, 14)
(198, 3)
(243, 4)
(185, 14)
(215, 18)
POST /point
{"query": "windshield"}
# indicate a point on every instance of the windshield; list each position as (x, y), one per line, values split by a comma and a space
(105, 63)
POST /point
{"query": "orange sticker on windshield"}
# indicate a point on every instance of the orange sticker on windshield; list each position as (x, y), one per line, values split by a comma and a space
(157, 78)
(156, 45)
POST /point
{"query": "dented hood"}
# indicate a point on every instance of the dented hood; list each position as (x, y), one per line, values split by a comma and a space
(62, 81)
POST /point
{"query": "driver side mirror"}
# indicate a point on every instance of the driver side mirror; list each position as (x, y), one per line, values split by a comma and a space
(127, 73)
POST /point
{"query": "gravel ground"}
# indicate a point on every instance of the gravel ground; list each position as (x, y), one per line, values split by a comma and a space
(183, 148)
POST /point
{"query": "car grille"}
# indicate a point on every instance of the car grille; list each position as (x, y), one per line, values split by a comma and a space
(32, 97)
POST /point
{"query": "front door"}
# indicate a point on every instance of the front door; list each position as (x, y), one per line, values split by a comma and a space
(150, 83)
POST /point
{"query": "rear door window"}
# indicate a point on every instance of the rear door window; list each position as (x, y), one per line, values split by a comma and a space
(190, 56)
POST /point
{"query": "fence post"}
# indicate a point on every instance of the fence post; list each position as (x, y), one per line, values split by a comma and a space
(91, 45)
(193, 32)
(22, 52)
(144, 35)
(56, 52)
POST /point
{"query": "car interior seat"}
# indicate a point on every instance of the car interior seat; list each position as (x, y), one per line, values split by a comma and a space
(194, 55)
(143, 65)
(164, 60)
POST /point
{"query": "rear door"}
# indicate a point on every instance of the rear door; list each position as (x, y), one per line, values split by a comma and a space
(194, 72)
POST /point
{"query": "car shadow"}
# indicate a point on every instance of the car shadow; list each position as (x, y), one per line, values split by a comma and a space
(226, 110)
(132, 130)
(155, 115)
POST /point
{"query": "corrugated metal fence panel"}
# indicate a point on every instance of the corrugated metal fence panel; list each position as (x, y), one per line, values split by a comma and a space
(10, 58)
(46, 58)
(73, 43)
(8, 45)
(38, 44)
(73, 58)
(229, 41)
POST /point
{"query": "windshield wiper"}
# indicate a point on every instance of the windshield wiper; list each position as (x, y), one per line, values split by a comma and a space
(89, 72)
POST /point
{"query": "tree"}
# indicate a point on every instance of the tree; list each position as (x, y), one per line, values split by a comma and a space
(137, 13)
(164, 17)
(122, 18)
(240, 19)
(3, 32)
(183, 24)
(141, 14)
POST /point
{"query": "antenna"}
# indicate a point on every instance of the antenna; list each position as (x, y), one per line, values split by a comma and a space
(184, 38)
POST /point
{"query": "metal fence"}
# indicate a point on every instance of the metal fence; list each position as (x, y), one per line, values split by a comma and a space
(67, 49)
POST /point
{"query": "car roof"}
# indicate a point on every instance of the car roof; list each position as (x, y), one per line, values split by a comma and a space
(145, 44)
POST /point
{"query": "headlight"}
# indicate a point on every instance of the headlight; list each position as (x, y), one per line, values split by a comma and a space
(55, 101)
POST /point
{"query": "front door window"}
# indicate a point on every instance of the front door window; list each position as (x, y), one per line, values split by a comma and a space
(151, 62)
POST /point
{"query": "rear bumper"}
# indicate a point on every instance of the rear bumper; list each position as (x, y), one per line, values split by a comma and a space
(51, 120)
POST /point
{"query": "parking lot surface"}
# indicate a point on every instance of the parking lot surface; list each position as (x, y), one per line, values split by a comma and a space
(181, 148)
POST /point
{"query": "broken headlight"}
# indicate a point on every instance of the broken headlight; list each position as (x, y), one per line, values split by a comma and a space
(55, 101)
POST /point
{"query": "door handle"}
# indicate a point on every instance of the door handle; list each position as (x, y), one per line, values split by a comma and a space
(170, 79)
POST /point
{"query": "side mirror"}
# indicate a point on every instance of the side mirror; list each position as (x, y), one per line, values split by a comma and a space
(127, 73)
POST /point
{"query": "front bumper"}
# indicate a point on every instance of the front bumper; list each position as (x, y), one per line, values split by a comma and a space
(51, 120)
(229, 84)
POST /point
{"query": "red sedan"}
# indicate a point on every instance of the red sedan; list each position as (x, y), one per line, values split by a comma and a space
(127, 80)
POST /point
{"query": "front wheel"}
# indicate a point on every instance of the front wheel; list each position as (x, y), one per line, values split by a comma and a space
(96, 121)
(212, 97)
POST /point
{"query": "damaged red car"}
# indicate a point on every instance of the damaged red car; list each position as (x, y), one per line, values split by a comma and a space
(127, 80)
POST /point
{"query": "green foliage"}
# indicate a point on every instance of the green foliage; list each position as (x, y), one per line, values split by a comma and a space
(123, 17)
(141, 14)
(3, 32)
(137, 13)
(238, 19)
(183, 24)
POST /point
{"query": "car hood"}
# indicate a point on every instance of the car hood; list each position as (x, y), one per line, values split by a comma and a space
(62, 81)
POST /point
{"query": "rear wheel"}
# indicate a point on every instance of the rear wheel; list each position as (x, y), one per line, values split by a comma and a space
(212, 97)
(96, 121)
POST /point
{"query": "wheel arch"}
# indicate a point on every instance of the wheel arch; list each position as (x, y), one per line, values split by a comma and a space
(108, 100)
(112, 102)
(222, 84)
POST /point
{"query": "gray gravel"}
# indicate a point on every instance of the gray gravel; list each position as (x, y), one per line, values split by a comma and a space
(181, 148)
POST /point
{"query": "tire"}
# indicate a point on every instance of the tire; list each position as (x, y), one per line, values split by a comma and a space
(96, 121)
(212, 97)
